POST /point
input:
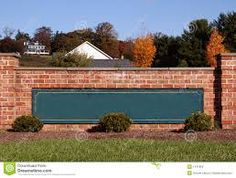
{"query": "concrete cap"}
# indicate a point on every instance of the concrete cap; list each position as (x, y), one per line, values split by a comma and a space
(10, 54)
(228, 54)
(118, 69)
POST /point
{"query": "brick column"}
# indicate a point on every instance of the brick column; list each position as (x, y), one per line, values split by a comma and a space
(228, 90)
(8, 64)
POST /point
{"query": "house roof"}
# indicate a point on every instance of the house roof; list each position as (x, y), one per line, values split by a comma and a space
(118, 63)
(94, 47)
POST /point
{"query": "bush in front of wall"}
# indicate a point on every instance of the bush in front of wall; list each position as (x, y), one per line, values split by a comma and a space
(198, 121)
(115, 122)
(27, 124)
(62, 59)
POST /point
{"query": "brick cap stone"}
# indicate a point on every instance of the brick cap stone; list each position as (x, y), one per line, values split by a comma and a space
(228, 54)
(118, 69)
(10, 55)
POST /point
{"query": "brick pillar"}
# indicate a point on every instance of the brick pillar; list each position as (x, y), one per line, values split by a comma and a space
(228, 90)
(8, 64)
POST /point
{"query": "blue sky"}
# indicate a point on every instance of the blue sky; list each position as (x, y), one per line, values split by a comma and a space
(130, 17)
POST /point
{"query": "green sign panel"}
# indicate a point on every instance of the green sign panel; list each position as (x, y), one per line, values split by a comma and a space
(142, 105)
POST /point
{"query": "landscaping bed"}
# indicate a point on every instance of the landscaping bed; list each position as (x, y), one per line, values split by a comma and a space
(218, 135)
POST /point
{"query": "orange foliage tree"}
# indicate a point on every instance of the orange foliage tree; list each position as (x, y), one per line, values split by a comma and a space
(144, 51)
(215, 47)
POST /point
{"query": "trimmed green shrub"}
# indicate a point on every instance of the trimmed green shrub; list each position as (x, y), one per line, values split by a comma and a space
(199, 122)
(27, 124)
(115, 122)
(62, 59)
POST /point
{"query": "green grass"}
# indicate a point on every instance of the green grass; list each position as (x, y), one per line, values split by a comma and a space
(35, 61)
(117, 150)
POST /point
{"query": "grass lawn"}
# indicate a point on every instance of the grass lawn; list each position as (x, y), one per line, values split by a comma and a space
(117, 150)
(35, 61)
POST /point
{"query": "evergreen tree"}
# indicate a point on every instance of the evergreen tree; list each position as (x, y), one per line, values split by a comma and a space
(193, 43)
(226, 24)
(167, 54)
(22, 36)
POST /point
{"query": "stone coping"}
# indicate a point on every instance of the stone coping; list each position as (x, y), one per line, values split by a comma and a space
(119, 69)
(228, 54)
(11, 54)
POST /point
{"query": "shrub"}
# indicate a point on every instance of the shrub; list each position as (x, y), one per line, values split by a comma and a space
(71, 60)
(115, 122)
(199, 122)
(27, 124)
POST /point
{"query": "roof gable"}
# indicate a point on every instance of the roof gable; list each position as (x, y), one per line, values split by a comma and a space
(91, 50)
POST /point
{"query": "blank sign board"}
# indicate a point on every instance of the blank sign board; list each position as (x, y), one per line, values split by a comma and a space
(142, 105)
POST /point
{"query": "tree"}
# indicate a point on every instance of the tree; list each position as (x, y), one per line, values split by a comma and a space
(106, 29)
(144, 51)
(106, 39)
(71, 60)
(126, 49)
(44, 36)
(7, 45)
(68, 41)
(22, 36)
(87, 35)
(60, 42)
(215, 47)
(8, 32)
(226, 24)
(167, 54)
(193, 44)
(19, 46)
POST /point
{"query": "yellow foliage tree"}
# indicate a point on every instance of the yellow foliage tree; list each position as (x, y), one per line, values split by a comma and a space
(144, 51)
(215, 47)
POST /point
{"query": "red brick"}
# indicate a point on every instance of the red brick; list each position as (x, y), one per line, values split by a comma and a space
(19, 83)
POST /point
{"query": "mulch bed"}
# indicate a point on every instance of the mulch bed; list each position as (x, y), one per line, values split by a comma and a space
(218, 135)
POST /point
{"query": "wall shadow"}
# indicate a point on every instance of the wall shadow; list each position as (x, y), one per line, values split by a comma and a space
(218, 94)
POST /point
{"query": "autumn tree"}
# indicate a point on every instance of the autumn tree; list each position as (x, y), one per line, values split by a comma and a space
(44, 36)
(8, 45)
(215, 47)
(106, 39)
(144, 51)
(125, 49)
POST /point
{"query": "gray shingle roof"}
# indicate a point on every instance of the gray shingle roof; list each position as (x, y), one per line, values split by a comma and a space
(112, 63)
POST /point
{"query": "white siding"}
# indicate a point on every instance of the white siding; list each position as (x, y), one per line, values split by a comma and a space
(91, 51)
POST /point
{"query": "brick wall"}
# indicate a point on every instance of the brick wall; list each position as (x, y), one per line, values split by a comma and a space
(17, 83)
(8, 65)
(227, 65)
